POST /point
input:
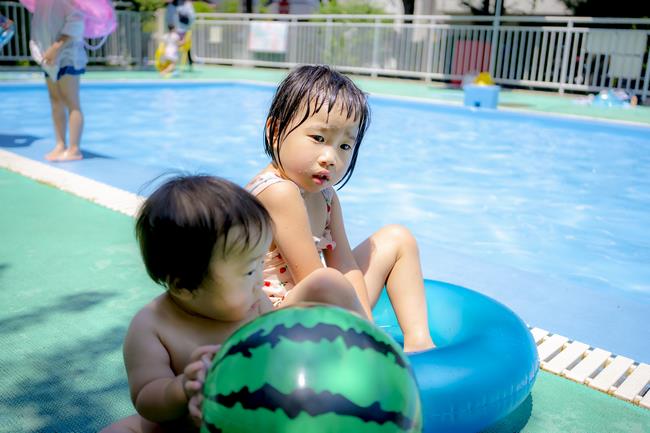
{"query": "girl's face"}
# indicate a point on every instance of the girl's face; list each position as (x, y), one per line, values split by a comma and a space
(318, 153)
(232, 290)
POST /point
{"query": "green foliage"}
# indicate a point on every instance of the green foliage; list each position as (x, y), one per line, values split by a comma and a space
(229, 6)
(355, 7)
(150, 5)
(203, 7)
(343, 46)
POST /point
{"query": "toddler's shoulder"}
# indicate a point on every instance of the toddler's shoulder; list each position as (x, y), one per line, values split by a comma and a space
(148, 317)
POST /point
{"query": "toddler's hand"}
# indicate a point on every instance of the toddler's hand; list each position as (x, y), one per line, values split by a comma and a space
(195, 373)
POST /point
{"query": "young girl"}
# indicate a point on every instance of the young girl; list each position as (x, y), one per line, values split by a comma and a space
(203, 239)
(314, 129)
(57, 45)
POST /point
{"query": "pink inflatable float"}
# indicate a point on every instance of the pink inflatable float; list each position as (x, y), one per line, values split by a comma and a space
(99, 16)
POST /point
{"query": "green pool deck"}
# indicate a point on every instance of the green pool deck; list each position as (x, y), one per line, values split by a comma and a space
(70, 280)
(545, 102)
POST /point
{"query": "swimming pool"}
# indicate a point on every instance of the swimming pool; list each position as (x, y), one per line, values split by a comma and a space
(526, 208)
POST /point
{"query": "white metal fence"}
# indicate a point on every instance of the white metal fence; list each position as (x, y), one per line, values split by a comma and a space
(561, 53)
(123, 47)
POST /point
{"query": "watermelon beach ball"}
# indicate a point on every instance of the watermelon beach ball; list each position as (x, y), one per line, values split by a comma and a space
(310, 369)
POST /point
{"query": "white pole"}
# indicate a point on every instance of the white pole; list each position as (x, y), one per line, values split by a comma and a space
(495, 35)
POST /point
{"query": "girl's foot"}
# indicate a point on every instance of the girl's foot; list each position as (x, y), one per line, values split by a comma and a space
(418, 345)
(69, 155)
(55, 153)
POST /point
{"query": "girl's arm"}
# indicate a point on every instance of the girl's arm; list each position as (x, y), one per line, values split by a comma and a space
(157, 393)
(49, 57)
(341, 257)
(292, 231)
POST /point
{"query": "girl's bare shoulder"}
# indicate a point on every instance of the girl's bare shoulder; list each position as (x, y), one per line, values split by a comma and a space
(280, 192)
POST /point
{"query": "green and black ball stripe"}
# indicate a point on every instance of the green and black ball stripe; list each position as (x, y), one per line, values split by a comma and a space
(310, 369)
(321, 331)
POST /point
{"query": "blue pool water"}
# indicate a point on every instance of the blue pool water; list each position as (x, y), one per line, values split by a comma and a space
(538, 206)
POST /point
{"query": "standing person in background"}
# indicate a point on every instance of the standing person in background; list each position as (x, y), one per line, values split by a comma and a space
(170, 13)
(57, 45)
(186, 17)
(180, 14)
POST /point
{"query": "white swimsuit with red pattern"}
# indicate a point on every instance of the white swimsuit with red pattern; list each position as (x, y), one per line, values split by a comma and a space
(277, 276)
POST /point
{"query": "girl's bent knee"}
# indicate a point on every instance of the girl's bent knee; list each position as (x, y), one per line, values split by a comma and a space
(328, 285)
(399, 234)
(327, 276)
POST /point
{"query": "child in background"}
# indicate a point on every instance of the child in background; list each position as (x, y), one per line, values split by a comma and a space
(171, 42)
(204, 240)
(314, 129)
(57, 45)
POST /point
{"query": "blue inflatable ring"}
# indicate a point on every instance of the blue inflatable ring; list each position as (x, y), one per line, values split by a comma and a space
(485, 363)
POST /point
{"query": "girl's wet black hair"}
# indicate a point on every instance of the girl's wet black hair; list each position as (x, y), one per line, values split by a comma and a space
(190, 218)
(306, 89)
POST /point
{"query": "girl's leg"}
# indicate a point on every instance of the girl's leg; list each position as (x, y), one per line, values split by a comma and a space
(327, 286)
(69, 88)
(391, 258)
(59, 119)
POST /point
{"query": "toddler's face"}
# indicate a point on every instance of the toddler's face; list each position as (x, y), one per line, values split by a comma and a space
(232, 291)
(318, 153)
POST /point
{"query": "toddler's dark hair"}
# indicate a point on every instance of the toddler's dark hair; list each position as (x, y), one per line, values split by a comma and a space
(310, 87)
(180, 225)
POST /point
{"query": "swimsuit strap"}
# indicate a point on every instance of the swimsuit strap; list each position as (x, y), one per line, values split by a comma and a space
(263, 181)
(328, 194)
(266, 179)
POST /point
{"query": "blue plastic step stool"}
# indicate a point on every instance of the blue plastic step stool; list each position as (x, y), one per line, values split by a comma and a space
(481, 96)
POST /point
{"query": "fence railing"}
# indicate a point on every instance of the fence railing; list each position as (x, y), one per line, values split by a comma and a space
(562, 53)
(578, 54)
(123, 47)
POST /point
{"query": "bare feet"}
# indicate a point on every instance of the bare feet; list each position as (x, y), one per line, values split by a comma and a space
(56, 153)
(70, 155)
(419, 345)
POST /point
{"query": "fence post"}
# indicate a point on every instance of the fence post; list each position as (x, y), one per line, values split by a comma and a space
(329, 53)
(293, 46)
(375, 49)
(565, 56)
(646, 78)
(495, 35)
(139, 61)
(430, 42)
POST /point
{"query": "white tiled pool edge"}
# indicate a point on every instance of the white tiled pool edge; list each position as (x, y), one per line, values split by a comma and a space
(105, 195)
(596, 368)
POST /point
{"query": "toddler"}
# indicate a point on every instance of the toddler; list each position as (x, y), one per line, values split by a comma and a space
(204, 240)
